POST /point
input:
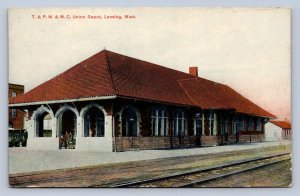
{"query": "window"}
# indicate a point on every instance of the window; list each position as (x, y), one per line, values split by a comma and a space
(159, 122)
(47, 126)
(211, 119)
(198, 124)
(258, 124)
(130, 124)
(14, 113)
(44, 125)
(241, 124)
(251, 125)
(223, 127)
(235, 125)
(13, 94)
(179, 123)
(94, 123)
(238, 124)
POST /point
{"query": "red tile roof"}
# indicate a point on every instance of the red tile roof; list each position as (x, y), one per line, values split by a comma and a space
(90, 78)
(107, 73)
(282, 124)
(212, 95)
(139, 79)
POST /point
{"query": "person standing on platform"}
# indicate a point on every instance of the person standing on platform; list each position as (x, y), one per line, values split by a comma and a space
(66, 139)
(70, 138)
(61, 141)
(25, 137)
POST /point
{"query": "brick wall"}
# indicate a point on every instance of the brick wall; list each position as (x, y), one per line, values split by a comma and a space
(254, 138)
(143, 143)
(232, 138)
(17, 121)
(209, 140)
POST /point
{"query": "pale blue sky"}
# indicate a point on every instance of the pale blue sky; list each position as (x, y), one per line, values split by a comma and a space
(248, 49)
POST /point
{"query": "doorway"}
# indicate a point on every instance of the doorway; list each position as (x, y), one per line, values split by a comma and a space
(68, 130)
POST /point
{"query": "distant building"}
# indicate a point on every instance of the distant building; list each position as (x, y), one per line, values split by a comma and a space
(111, 102)
(277, 130)
(16, 117)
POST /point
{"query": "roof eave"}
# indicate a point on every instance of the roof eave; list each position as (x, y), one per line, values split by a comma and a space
(269, 117)
(63, 101)
(157, 101)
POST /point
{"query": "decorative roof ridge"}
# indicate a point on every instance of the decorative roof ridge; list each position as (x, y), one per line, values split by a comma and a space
(148, 62)
(187, 94)
(200, 78)
(109, 72)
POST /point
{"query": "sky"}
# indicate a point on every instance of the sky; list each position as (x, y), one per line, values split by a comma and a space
(248, 49)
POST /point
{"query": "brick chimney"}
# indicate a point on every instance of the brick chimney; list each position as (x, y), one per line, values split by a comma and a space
(193, 71)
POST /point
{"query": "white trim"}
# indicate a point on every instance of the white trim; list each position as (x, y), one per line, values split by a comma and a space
(36, 113)
(211, 119)
(63, 101)
(40, 110)
(163, 131)
(156, 122)
(176, 119)
(83, 112)
(86, 108)
(59, 122)
(64, 108)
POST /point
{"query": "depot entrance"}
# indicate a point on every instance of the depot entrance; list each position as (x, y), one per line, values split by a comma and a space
(67, 130)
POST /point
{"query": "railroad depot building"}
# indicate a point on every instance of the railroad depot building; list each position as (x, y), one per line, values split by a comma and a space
(111, 102)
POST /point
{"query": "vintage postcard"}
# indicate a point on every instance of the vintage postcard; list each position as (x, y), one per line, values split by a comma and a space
(150, 97)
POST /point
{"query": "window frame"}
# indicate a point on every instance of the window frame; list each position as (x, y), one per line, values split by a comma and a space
(159, 121)
(200, 119)
(99, 120)
(211, 122)
(14, 113)
(176, 119)
(13, 94)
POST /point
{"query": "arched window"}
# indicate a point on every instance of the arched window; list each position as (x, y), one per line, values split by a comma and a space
(130, 123)
(94, 123)
(251, 125)
(198, 124)
(67, 122)
(179, 123)
(159, 122)
(43, 125)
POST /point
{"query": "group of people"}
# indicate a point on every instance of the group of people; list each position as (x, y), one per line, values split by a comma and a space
(66, 141)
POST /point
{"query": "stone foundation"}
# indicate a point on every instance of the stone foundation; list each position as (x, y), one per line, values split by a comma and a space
(143, 143)
(252, 138)
(168, 142)
(209, 140)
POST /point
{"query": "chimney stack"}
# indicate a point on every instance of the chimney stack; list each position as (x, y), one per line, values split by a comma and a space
(193, 71)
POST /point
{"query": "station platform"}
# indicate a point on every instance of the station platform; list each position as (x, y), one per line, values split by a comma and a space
(22, 160)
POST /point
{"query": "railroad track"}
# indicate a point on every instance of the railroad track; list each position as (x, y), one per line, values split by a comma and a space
(204, 175)
(85, 176)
